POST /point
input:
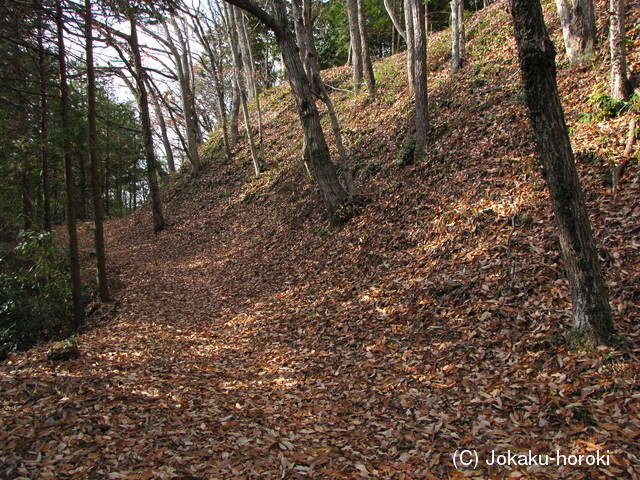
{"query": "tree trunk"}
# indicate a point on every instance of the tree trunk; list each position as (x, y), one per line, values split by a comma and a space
(367, 66)
(620, 85)
(101, 263)
(323, 169)
(579, 30)
(411, 49)
(168, 150)
(239, 76)
(214, 70)
(457, 35)
(234, 132)
(44, 129)
(74, 260)
(245, 47)
(147, 133)
(591, 310)
(181, 62)
(395, 21)
(420, 66)
(302, 21)
(356, 44)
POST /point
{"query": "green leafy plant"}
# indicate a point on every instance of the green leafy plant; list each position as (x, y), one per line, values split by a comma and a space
(605, 107)
(35, 296)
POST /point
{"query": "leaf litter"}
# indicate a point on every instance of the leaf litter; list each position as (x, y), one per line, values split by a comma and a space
(250, 341)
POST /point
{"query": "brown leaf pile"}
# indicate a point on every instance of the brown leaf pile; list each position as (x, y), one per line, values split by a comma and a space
(250, 341)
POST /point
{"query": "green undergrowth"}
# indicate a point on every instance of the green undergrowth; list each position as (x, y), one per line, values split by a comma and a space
(35, 295)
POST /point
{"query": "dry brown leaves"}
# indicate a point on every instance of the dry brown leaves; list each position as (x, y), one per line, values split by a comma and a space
(249, 341)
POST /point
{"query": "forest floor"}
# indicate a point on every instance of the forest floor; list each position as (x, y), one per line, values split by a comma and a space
(249, 340)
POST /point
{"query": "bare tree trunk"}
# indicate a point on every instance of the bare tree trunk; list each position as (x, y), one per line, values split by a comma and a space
(620, 85)
(150, 156)
(395, 21)
(234, 132)
(408, 20)
(245, 46)
(74, 260)
(367, 66)
(591, 310)
(232, 31)
(457, 35)
(181, 62)
(306, 44)
(163, 133)
(420, 66)
(579, 30)
(356, 44)
(214, 70)
(101, 262)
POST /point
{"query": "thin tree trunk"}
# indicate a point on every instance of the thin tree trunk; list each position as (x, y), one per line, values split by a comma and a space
(234, 132)
(163, 133)
(245, 45)
(181, 62)
(620, 85)
(395, 21)
(44, 129)
(408, 20)
(101, 263)
(74, 260)
(591, 310)
(214, 71)
(232, 31)
(356, 45)
(147, 133)
(367, 66)
(457, 35)
(420, 66)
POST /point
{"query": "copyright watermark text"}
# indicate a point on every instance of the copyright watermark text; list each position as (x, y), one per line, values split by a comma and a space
(472, 458)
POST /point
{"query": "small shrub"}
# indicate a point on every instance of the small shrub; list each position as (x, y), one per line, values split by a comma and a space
(407, 151)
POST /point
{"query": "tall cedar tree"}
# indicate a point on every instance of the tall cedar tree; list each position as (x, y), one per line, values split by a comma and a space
(147, 133)
(101, 263)
(74, 260)
(536, 52)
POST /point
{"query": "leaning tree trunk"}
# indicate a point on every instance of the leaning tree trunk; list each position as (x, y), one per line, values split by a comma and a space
(323, 169)
(147, 133)
(164, 134)
(303, 27)
(356, 44)
(96, 194)
(396, 23)
(620, 85)
(74, 259)
(247, 56)
(579, 30)
(239, 77)
(591, 310)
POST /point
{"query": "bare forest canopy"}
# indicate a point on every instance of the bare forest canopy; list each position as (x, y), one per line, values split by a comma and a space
(343, 239)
